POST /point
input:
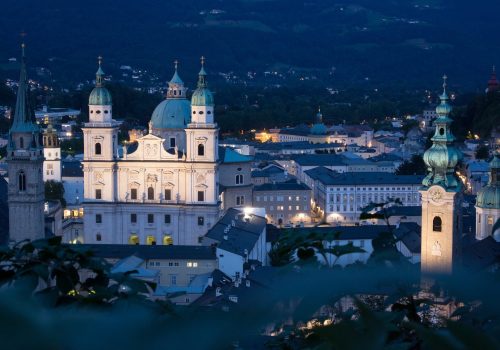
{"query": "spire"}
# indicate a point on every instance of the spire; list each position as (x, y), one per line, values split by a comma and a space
(493, 82)
(22, 117)
(202, 75)
(99, 74)
(176, 79)
(319, 116)
(442, 157)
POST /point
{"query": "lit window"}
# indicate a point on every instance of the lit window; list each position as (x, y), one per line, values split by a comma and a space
(168, 240)
(150, 240)
(133, 239)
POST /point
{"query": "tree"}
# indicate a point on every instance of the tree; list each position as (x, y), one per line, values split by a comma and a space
(414, 166)
(54, 191)
(482, 152)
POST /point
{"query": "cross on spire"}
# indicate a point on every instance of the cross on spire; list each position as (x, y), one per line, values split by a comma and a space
(23, 45)
(99, 60)
(176, 63)
(202, 59)
(444, 81)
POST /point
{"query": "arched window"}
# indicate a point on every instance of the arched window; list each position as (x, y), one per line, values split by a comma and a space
(133, 239)
(97, 148)
(150, 240)
(22, 181)
(168, 240)
(151, 193)
(239, 179)
(437, 224)
(21, 142)
(201, 149)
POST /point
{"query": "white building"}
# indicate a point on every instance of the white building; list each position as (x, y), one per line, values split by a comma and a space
(339, 197)
(162, 189)
(488, 204)
(52, 154)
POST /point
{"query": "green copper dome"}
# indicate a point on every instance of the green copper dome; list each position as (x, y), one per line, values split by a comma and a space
(100, 95)
(442, 157)
(489, 196)
(202, 96)
(171, 114)
(318, 128)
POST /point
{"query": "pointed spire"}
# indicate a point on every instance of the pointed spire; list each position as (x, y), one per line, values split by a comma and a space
(319, 116)
(22, 116)
(176, 79)
(99, 74)
(444, 109)
(493, 81)
(202, 74)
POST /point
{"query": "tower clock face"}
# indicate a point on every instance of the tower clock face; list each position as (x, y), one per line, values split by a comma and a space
(436, 195)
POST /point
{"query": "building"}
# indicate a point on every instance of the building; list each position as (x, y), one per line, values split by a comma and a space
(235, 180)
(493, 81)
(54, 115)
(441, 198)
(72, 178)
(162, 189)
(286, 203)
(52, 153)
(339, 197)
(25, 167)
(488, 203)
(239, 237)
(269, 174)
(181, 273)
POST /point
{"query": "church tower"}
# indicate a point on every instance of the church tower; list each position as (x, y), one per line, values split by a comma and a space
(488, 203)
(202, 144)
(441, 198)
(25, 162)
(52, 155)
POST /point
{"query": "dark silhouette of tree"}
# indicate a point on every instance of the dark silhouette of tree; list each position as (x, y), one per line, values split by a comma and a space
(54, 191)
(414, 166)
(482, 152)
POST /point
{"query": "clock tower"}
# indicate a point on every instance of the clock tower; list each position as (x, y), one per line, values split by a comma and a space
(441, 198)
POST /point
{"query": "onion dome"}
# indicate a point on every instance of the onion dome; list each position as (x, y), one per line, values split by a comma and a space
(489, 196)
(100, 96)
(442, 157)
(318, 128)
(202, 96)
(175, 111)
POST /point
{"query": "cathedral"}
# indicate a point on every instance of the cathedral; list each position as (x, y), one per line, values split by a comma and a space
(162, 188)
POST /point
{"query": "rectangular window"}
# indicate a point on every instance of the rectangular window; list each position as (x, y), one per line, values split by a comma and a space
(133, 193)
(98, 194)
(168, 194)
(173, 280)
(98, 218)
(133, 218)
(201, 220)
(201, 196)
(490, 220)
(151, 218)
(172, 142)
(240, 200)
(167, 218)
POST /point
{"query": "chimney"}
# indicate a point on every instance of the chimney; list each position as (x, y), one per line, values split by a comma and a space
(247, 283)
(218, 292)
(225, 237)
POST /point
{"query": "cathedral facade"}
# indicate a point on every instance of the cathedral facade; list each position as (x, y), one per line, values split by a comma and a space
(161, 189)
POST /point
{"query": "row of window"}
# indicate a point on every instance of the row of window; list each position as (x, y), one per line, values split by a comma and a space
(150, 219)
(99, 112)
(151, 194)
(290, 207)
(370, 188)
(280, 198)
(201, 112)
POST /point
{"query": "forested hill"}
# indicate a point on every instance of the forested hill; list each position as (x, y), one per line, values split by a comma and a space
(387, 41)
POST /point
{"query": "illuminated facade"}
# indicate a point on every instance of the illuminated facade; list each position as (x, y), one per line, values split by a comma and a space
(161, 189)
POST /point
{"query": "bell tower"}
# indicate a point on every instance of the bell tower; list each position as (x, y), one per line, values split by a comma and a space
(25, 162)
(441, 198)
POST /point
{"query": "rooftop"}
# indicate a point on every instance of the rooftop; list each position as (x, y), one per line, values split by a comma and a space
(291, 185)
(167, 252)
(330, 177)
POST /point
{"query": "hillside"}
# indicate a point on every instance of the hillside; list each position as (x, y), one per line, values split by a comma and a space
(350, 42)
